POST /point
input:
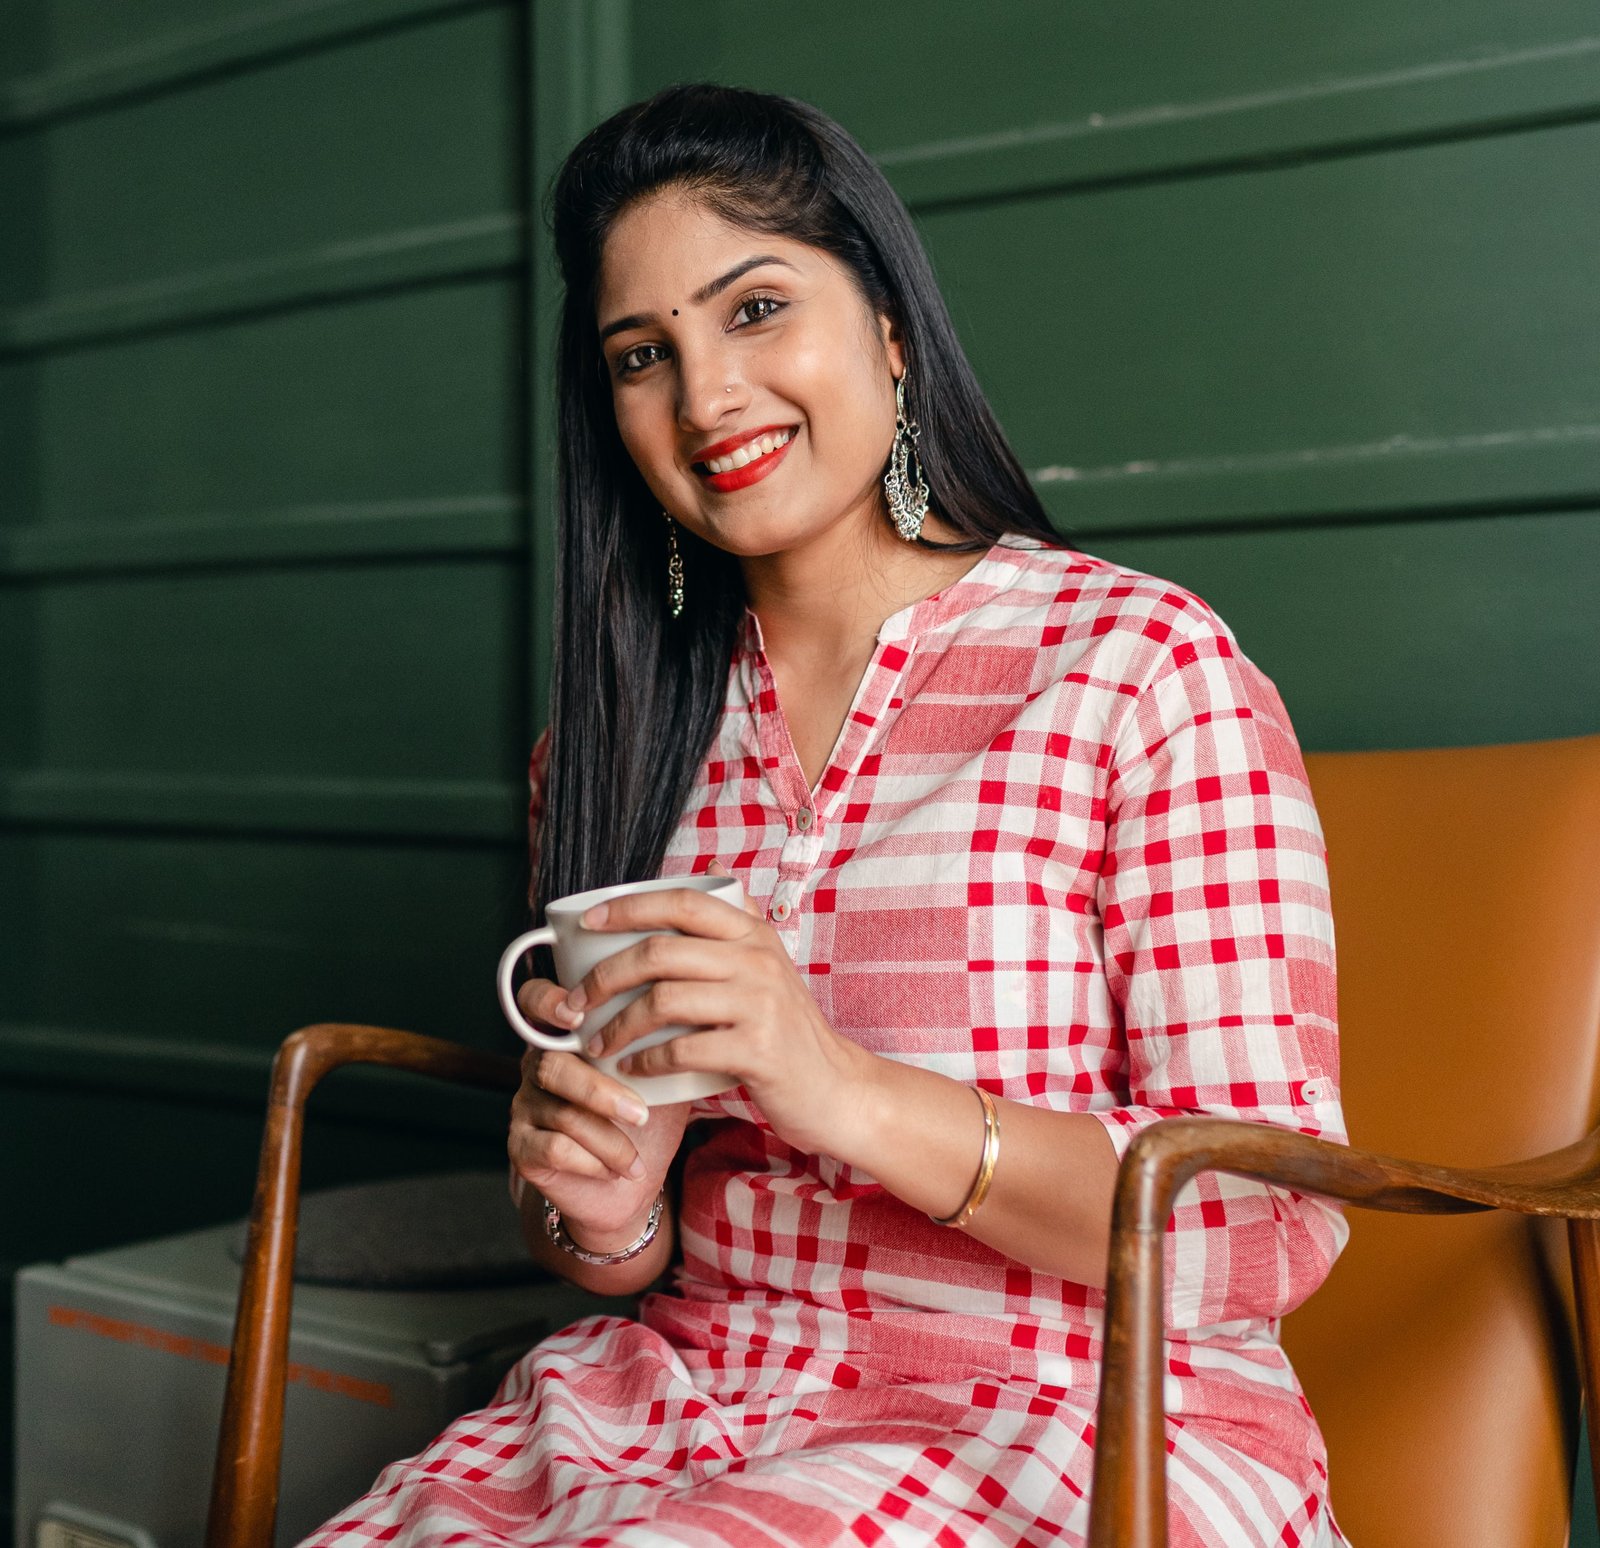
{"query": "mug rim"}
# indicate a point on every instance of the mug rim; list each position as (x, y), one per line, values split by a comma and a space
(578, 902)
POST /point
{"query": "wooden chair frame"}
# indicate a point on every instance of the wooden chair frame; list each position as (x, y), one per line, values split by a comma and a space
(1128, 1502)
(1128, 1506)
(244, 1486)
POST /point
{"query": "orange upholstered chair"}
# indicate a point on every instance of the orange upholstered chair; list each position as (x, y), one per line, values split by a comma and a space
(1443, 1356)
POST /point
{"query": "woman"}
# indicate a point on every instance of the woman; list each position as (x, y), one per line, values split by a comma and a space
(1032, 864)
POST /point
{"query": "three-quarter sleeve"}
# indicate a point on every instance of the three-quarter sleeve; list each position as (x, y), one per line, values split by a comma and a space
(1218, 938)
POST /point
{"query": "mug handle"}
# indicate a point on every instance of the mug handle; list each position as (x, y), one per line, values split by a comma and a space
(562, 1042)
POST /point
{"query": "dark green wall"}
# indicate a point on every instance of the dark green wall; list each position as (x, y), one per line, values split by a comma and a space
(265, 659)
(1296, 306)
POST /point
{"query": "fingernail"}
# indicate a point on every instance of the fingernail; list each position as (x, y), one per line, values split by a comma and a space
(595, 1045)
(576, 999)
(596, 915)
(636, 1167)
(635, 1113)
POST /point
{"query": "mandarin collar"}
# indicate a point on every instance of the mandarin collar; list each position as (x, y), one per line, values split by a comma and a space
(963, 595)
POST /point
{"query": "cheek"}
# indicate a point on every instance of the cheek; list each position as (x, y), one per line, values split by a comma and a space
(858, 429)
(643, 437)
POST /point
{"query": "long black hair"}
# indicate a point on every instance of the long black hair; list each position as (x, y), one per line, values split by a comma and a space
(635, 693)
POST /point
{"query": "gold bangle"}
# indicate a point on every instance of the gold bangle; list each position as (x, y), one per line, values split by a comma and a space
(991, 1154)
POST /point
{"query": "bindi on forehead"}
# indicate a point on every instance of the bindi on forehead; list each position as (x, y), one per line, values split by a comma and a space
(707, 292)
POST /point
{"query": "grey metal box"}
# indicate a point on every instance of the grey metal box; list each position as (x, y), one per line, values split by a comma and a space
(121, 1359)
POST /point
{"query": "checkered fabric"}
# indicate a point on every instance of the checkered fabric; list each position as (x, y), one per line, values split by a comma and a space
(1064, 849)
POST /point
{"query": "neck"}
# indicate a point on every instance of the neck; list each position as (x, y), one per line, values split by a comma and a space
(829, 598)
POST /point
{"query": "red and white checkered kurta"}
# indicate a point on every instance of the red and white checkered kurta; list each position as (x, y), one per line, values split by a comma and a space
(1063, 849)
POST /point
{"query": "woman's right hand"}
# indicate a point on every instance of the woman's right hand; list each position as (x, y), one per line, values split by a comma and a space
(576, 1135)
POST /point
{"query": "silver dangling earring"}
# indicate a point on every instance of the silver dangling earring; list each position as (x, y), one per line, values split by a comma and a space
(674, 570)
(908, 501)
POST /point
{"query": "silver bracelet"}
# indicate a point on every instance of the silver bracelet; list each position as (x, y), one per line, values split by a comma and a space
(557, 1233)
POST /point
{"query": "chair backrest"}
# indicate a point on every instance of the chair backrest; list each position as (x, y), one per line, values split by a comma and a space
(1439, 1356)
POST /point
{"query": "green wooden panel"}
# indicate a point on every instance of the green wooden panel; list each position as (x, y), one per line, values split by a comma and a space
(388, 671)
(130, 1170)
(19, 453)
(23, 196)
(1413, 327)
(409, 396)
(67, 55)
(234, 942)
(962, 101)
(70, 36)
(17, 671)
(264, 687)
(1408, 633)
(19, 920)
(415, 130)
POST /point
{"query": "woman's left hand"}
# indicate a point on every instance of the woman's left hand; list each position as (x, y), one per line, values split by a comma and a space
(727, 972)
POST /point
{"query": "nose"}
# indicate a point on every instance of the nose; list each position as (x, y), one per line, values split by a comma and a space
(709, 389)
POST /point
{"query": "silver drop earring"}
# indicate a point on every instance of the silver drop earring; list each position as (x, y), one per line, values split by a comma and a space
(908, 501)
(674, 570)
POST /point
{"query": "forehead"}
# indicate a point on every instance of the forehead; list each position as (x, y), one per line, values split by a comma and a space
(667, 245)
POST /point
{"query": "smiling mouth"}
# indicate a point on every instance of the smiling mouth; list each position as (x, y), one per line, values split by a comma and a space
(743, 456)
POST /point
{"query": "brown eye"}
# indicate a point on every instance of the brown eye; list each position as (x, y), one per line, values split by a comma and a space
(758, 309)
(634, 360)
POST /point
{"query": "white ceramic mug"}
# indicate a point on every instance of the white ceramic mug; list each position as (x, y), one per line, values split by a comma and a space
(577, 952)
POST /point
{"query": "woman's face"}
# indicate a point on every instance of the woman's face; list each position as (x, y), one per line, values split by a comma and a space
(720, 343)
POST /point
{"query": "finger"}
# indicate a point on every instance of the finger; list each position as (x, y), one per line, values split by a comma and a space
(751, 907)
(600, 1138)
(669, 1003)
(545, 1003)
(655, 957)
(674, 908)
(543, 1156)
(567, 1077)
(721, 1051)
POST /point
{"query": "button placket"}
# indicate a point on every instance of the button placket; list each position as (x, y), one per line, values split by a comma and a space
(799, 857)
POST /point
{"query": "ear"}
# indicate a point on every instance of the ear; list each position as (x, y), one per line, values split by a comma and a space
(893, 348)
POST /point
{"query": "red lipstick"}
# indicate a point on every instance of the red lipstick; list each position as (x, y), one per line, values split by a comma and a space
(752, 472)
(734, 442)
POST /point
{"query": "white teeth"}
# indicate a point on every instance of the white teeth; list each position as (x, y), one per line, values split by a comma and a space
(762, 446)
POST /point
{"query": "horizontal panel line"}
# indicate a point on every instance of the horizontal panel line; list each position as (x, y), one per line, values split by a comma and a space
(1559, 463)
(1184, 114)
(306, 534)
(485, 245)
(1391, 517)
(180, 58)
(1400, 445)
(487, 811)
(174, 1068)
(1227, 162)
(1358, 114)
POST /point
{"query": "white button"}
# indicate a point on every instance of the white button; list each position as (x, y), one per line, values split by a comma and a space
(802, 818)
(780, 910)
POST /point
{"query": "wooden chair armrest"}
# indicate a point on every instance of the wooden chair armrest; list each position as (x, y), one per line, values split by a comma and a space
(244, 1487)
(1128, 1505)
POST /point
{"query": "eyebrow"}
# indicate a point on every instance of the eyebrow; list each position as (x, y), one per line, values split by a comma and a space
(705, 293)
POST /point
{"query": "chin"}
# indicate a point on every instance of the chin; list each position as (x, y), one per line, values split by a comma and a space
(757, 534)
